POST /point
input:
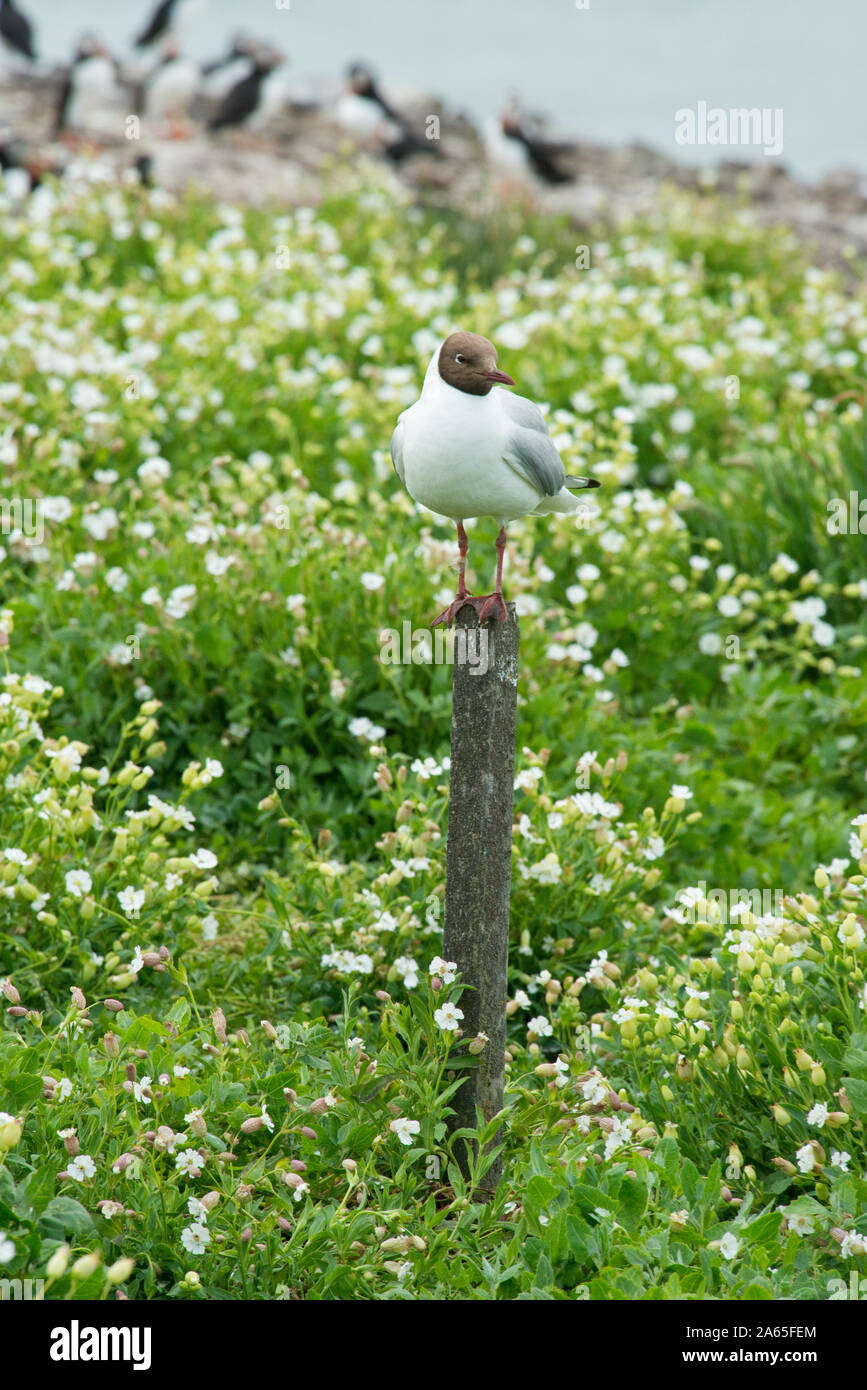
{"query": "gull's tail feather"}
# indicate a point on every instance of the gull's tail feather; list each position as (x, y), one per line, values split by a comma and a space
(583, 482)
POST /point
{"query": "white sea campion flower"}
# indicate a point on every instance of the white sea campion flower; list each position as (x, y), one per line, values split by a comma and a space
(527, 779)
(446, 969)
(371, 581)
(448, 1017)
(541, 1026)
(682, 793)
(405, 1129)
(81, 1168)
(131, 900)
(729, 1246)
(203, 859)
(78, 882)
(806, 1157)
(818, 1115)
(7, 1248)
(841, 1159)
(181, 600)
(802, 1225)
(195, 1238)
(189, 1162)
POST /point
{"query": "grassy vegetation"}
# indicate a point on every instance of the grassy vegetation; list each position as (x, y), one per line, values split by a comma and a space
(225, 1062)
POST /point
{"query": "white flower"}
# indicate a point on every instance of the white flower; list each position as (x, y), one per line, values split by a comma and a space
(682, 793)
(218, 565)
(371, 581)
(541, 1026)
(407, 970)
(181, 600)
(710, 643)
(7, 1249)
(802, 1225)
(729, 1246)
(729, 606)
(405, 1129)
(448, 1016)
(78, 882)
(527, 778)
(154, 471)
(189, 1161)
(131, 900)
(786, 563)
(195, 1238)
(841, 1159)
(445, 969)
(81, 1168)
(682, 421)
(818, 1115)
(203, 859)
(806, 1157)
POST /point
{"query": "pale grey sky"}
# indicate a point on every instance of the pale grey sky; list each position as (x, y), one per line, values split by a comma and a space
(616, 71)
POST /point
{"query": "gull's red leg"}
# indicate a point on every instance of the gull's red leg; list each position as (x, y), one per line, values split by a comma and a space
(462, 596)
(494, 606)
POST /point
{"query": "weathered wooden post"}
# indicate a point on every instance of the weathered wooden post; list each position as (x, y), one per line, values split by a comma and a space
(479, 851)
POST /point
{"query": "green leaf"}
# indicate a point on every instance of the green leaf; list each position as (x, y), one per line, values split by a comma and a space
(857, 1092)
(65, 1217)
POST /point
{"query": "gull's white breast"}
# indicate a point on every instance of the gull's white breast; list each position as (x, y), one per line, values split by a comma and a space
(453, 445)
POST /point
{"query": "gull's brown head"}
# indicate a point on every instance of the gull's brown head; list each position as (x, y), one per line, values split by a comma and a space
(468, 362)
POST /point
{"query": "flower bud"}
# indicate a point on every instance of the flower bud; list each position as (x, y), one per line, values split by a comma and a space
(119, 1272)
(254, 1123)
(268, 1029)
(86, 1264)
(10, 1133)
(11, 992)
(56, 1267)
(110, 1044)
(781, 1116)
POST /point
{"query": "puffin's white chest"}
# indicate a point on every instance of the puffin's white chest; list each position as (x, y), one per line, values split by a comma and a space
(93, 85)
(172, 88)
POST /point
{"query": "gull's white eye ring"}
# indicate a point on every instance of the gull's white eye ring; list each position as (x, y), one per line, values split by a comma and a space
(459, 357)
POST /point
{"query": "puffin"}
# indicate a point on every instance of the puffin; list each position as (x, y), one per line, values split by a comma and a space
(365, 113)
(222, 74)
(89, 86)
(169, 89)
(16, 32)
(257, 97)
(516, 142)
(169, 23)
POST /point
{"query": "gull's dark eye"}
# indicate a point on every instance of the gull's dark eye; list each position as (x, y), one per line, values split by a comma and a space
(459, 357)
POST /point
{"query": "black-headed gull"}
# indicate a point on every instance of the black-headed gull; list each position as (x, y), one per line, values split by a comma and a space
(465, 450)
(16, 32)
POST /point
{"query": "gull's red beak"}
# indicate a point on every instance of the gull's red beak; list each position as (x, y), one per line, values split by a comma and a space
(500, 376)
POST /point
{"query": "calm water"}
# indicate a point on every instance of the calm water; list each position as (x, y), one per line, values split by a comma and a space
(615, 72)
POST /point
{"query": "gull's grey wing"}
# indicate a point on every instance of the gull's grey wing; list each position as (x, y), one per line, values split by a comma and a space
(530, 449)
(397, 451)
